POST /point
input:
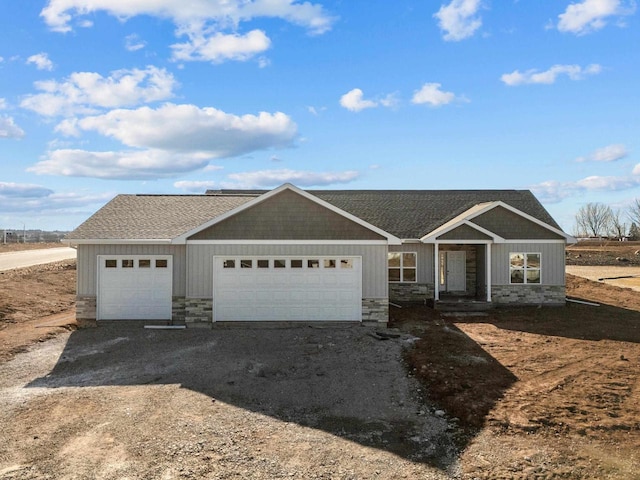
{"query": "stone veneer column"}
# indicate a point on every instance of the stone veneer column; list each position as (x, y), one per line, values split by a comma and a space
(86, 311)
(375, 310)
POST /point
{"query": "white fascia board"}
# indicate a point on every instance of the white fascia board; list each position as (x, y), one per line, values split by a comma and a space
(118, 241)
(391, 239)
(452, 224)
(464, 242)
(568, 238)
(433, 236)
(559, 240)
(287, 242)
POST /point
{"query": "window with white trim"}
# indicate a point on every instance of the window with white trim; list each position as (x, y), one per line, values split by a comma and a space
(524, 268)
(402, 266)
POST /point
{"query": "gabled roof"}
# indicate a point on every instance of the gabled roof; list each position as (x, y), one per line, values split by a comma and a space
(405, 214)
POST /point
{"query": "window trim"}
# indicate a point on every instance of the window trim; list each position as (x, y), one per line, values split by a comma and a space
(402, 267)
(525, 268)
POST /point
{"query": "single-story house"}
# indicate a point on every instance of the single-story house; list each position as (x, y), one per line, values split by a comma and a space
(293, 255)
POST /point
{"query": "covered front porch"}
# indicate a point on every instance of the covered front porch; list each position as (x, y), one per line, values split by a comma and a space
(462, 276)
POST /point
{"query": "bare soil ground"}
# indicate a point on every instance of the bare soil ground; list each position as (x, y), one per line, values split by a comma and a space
(525, 393)
(608, 252)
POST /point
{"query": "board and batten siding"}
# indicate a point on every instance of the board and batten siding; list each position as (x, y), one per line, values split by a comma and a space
(87, 263)
(200, 263)
(553, 261)
(425, 272)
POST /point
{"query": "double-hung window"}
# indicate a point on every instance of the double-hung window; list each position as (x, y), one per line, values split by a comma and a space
(402, 266)
(524, 268)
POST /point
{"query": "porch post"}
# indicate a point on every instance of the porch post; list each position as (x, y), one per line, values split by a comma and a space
(488, 269)
(436, 263)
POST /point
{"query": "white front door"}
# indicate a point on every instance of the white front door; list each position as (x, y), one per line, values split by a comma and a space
(456, 271)
(287, 288)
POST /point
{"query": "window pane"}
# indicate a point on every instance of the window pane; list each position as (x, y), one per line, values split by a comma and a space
(144, 263)
(346, 263)
(127, 263)
(279, 264)
(328, 263)
(533, 276)
(111, 263)
(246, 263)
(296, 263)
(394, 259)
(263, 263)
(161, 264)
(313, 263)
(408, 259)
(517, 275)
(394, 274)
(229, 264)
(408, 274)
(516, 260)
(533, 260)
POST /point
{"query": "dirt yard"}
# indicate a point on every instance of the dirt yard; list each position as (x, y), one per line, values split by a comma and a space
(519, 393)
(16, 247)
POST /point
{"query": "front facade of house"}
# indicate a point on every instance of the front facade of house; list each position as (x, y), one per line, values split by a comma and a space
(294, 255)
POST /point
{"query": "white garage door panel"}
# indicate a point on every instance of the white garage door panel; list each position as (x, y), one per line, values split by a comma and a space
(137, 292)
(331, 292)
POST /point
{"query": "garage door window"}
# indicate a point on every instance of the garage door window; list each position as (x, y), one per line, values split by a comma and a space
(279, 264)
(229, 264)
(146, 263)
(263, 263)
(296, 263)
(346, 263)
(246, 263)
(313, 263)
(161, 264)
(127, 263)
(329, 263)
(111, 263)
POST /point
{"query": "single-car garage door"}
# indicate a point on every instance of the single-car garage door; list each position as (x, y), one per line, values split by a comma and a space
(287, 288)
(134, 287)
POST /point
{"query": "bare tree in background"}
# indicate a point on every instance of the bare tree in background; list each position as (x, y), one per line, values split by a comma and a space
(617, 228)
(594, 220)
(633, 212)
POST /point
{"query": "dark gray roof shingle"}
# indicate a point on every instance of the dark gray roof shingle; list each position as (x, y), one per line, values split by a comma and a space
(403, 213)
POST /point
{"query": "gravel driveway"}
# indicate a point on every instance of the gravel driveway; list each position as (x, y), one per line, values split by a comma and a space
(28, 258)
(301, 402)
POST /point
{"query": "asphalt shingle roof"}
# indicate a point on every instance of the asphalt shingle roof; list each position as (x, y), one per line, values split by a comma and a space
(403, 213)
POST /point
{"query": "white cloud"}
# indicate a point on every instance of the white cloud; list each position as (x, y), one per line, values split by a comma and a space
(353, 100)
(195, 186)
(220, 47)
(22, 190)
(127, 165)
(591, 15)
(209, 132)
(431, 94)
(553, 191)
(83, 92)
(9, 129)
(610, 153)
(459, 20)
(59, 13)
(133, 43)
(271, 178)
(533, 76)
(30, 198)
(41, 61)
(212, 168)
(3, 104)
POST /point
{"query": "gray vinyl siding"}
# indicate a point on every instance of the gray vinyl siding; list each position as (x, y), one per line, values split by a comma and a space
(513, 226)
(200, 263)
(87, 263)
(553, 261)
(425, 259)
(464, 232)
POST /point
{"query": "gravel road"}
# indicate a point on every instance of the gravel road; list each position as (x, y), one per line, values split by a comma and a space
(28, 258)
(228, 403)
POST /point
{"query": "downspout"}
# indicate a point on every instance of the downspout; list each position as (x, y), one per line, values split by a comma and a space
(436, 263)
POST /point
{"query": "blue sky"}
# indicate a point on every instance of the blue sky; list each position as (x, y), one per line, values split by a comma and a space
(100, 97)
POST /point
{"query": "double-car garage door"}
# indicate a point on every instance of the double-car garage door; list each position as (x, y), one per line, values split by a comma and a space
(287, 288)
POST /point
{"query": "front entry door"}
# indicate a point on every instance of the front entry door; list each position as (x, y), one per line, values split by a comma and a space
(456, 271)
